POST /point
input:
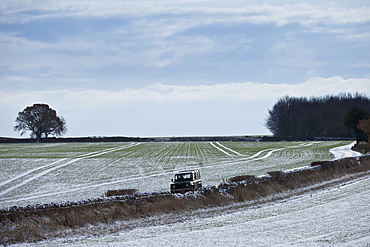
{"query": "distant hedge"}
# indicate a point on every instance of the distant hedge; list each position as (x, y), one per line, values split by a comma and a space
(77, 139)
(129, 139)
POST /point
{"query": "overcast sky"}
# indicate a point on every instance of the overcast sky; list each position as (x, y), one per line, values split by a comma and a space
(176, 68)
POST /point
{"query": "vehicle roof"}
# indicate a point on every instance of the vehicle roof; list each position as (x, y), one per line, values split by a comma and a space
(187, 171)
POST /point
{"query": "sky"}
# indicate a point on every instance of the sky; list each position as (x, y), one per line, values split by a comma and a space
(176, 68)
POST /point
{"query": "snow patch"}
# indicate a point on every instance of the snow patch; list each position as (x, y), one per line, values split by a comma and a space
(344, 151)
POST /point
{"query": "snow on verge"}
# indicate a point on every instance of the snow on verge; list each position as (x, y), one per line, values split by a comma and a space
(344, 151)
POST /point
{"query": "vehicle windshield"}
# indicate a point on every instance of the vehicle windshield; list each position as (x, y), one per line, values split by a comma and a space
(183, 177)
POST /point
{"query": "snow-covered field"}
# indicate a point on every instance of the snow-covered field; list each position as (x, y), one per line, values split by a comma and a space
(338, 216)
(43, 173)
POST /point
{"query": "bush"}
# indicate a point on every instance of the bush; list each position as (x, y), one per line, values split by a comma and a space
(242, 178)
(121, 192)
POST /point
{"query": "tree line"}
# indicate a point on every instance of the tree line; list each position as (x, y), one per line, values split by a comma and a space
(327, 116)
(341, 116)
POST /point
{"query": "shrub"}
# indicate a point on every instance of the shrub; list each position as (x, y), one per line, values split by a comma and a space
(242, 178)
(121, 192)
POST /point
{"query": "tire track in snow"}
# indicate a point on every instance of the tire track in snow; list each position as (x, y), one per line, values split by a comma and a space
(173, 152)
(229, 149)
(266, 155)
(84, 187)
(257, 156)
(40, 174)
(275, 150)
(39, 168)
(30, 171)
(222, 150)
(44, 166)
(252, 158)
(236, 160)
(259, 153)
(156, 154)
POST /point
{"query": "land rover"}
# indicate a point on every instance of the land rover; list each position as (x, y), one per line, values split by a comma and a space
(185, 181)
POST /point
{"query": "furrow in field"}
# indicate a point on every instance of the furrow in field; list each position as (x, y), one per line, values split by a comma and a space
(154, 155)
(166, 155)
(175, 157)
(200, 152)
(44, 172)
(145, 159)
(167, 158)
(163, 158)
(181, 156)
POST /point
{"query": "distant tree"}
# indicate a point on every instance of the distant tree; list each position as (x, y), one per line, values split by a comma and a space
(364, 125)
(352, 119)
(41, 120)
(279, 117)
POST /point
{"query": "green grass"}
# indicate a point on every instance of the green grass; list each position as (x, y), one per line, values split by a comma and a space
(73, 171)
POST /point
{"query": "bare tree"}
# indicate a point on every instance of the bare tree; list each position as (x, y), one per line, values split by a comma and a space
(41, 120)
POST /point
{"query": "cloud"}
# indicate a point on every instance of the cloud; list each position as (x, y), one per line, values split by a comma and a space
(181, 41)
(257, 12)
(168, 110)
(158, 92)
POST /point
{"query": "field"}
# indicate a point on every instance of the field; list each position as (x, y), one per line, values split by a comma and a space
(337, 216)
(43, 173)
(333, 216)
